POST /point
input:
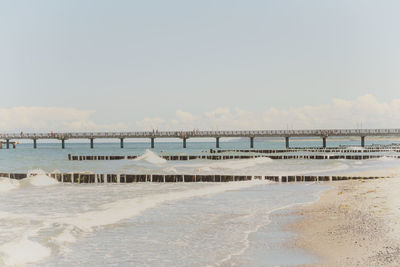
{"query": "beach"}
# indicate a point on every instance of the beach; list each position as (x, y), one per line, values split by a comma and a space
(355, 223)
(193, 224)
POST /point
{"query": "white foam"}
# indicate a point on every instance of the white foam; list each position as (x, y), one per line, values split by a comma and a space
(123, 209)
(169, 170)
(22, 251)
(235, 164)
(39, 181)
(7, 184)
(151, 157)
(355, 148)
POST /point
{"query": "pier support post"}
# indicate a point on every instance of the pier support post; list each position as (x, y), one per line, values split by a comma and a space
(62, 143)
(217, 142)
(8, 144)
(184, 142)
(34, 144)
(91, 143)
(287, 142)
(251, 142)
(324, 142)
(122, 142)
(152, 142)
(362, 141)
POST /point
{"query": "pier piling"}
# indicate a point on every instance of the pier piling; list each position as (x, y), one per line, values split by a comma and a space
(62, 143)
(251, 142)
(152, 142)
(184, 142)
(122, 142)
(34, 144)
(287, 142)
(324, 142)
(362, 141)
(217, 142)
(91, 143)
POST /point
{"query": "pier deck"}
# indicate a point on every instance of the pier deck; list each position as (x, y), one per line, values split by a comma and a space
(184, 135)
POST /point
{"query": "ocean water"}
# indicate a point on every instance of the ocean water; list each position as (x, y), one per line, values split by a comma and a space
(46, 223)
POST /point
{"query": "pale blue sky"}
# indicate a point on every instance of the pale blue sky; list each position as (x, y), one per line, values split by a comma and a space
(127, 60)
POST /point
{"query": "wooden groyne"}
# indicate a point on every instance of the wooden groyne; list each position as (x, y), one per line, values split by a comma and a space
(87, 178)
(323, 150)
(227, 157)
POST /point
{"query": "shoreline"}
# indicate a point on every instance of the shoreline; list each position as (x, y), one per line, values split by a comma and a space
(355, 223)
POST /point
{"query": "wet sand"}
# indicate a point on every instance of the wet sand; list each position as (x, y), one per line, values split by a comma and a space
(356, 223)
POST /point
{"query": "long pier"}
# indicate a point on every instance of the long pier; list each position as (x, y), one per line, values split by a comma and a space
(185, 135)
(86, 178)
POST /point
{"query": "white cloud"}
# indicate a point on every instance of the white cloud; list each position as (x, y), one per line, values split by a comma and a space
(339, 113)
(51, 119)
(184, 117)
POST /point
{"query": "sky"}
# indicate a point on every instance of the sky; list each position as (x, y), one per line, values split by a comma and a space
(174, 65)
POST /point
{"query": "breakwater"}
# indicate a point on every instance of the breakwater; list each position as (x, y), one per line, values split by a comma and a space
(228, 157)
(304, 149)
(87, 178)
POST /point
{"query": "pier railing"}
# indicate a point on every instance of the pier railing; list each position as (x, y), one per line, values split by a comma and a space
(190, 134)
(321, 133)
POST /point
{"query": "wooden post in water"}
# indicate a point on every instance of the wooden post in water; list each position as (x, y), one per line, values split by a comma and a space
(122, 142)
(91, 143)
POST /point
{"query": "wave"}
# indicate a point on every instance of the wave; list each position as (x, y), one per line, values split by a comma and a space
(151, 157)
(7, 184)
(22, 251)
(111, 213)
(235, 164)
(38, 178)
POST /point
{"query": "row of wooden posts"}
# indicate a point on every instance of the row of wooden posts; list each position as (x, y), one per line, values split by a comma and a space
(226, 157)
(187, 178)
(326, 150)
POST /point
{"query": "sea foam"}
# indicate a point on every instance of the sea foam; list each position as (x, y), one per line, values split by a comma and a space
(23, 251)
(151, 157)
(7, 184)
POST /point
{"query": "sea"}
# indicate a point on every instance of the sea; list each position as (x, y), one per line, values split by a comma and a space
(47, 223)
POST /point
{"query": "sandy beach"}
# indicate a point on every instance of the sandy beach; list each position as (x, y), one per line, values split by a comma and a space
(356, 223)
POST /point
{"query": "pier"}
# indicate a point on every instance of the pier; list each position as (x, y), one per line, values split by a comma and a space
(323, 134)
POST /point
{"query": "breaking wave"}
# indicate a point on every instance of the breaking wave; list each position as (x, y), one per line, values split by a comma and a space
(151, 157)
